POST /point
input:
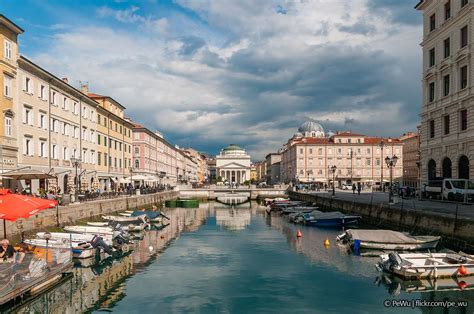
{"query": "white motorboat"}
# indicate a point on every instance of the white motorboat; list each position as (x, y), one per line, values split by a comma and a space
(388, 240)
(75, 237)
(79, 249)
(126, 220)
(134, 227)
(426, 265)
(102, 231)
(97, 224)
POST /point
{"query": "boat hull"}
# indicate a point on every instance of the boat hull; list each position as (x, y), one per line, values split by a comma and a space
(333, 222)
(399, 246)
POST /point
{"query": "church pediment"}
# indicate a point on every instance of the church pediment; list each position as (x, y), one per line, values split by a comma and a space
(232, 165)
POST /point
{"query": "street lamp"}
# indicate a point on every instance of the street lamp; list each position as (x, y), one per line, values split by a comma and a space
(333, 170)
(381, 145)
(351, 154)
(131, 178)
(76, 163)
(391, 162)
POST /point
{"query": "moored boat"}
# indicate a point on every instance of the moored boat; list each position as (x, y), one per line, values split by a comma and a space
(126, 220)
(426, 265)
(75, 237)
(330, 219)
(90, 229)
(388, 240)
(79, 249)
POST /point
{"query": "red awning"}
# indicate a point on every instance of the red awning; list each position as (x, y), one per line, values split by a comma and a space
(14, 206)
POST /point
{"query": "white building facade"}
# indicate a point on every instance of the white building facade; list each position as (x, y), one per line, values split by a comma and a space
(233, 164)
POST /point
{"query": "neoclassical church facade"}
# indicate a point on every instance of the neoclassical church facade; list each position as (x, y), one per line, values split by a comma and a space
(233, 164)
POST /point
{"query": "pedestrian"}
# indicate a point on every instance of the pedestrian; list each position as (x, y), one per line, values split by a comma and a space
(359, 188)
(6, 250)
(353, 188)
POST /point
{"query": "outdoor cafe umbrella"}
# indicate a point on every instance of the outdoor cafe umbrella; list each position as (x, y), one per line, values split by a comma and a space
(15, 206)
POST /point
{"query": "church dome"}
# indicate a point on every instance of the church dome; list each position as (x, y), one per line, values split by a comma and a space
(310, 126)
(311, 129)
(233, 147)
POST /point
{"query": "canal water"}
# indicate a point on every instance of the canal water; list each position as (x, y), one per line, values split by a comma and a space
(221, 260)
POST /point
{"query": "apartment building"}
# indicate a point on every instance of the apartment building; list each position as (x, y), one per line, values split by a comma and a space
(56, 127)
(114, 141)
(310, 155)
(9, 32)
(447, 125)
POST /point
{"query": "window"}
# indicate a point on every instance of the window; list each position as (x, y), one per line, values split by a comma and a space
(84, 112)
(349, 140)
(66, 129)
(368, 150)
(42, 92)
(28, 116)
(432, 57)
(447, 10)
(463, 78)
(55, 125)
(8, 49)
(105, 159)
(310, 151)
(446, 85)
(105, 141)
(65, 154)
(432, 22)
(98, 139)
(463, 117)
(432, 128)
(53, 98)
(99, 158)
(377, 161)
(8, 126)
(447, 47)
(367, 161)
(446, 124)
(28, 146)
(464, 36)
(65, 103)
(93, 158)
(137, 165)
(464, 2)
(301, 151)
(137, 151)
(120, 129)
(431, 92)
(115, 162)
(98, 118)
(76, 132)
(28, 85)
(54, 151)
(74, 108)
(43, 149)
(7, 86)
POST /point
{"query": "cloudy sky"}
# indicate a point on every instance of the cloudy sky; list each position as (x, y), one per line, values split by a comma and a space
(211, 72)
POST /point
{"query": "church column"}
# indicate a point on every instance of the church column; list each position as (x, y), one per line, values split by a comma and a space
(239, 175)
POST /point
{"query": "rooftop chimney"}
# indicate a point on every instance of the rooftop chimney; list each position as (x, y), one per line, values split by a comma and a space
(85, 88)
(65, 80)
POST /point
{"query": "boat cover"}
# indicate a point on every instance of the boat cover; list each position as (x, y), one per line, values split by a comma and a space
(148, 213)
(387, 236)
(316, 214)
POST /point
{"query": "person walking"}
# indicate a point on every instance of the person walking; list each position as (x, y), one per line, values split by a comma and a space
(353, 188)
(359, 188)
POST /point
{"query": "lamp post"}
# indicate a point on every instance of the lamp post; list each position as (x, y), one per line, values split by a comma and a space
(76, 163)
(351, 154)
(381, 145)
(333, 170)
(391, 162)
(131, 178)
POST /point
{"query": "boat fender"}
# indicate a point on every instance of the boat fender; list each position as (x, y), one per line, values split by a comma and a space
(462, 285)
(327, 243)
(462, 270)
(299, 234)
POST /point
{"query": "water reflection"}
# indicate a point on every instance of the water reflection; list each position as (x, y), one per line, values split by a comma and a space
(102, 286)
(312, 245)
(233, 219)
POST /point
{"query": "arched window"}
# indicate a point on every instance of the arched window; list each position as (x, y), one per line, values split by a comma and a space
(447, 173)
(463, 167)
(431, 169)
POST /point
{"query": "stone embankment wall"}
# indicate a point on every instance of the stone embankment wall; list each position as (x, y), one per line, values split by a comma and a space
(456, 231)
(67, 215)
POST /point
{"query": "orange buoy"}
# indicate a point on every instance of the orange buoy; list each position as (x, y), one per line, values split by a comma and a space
(299, 234)
(326, 242)
(462, 270)
(462, 285)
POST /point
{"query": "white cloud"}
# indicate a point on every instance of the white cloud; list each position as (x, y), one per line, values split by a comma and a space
(254, 87)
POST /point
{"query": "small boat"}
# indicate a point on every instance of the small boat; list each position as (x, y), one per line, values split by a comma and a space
(97, 224)
(75, 237)
(79, 249)
(135, 227)
(298, 209)
(426, 265)
(126, 220)
(388, 240)
(153, 216)
(330, 219)
(90, 229)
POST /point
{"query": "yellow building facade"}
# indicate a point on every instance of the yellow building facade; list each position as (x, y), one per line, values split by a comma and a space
(9, 32)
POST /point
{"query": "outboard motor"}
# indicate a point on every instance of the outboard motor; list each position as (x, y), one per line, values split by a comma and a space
(98, 242)
(394, 260)
(120, 236)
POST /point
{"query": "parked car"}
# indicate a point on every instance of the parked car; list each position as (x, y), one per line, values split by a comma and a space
(345, 186)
